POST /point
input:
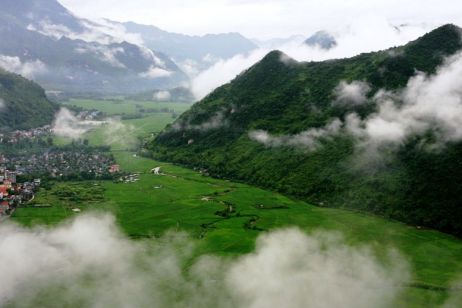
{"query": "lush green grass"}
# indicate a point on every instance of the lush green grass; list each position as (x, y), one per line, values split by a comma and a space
(53, 205)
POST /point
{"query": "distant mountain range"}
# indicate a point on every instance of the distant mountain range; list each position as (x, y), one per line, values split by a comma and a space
(42, 40)
(192, 53)
(366, 133)
(23, 103)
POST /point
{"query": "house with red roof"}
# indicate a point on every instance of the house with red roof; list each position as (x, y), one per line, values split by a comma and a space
(4, 191)
(114, 169)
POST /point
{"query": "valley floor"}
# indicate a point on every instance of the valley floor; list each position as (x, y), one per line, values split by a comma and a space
(185, 200)
(226, 217)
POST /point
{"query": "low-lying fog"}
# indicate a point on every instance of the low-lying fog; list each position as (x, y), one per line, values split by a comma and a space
(89, 262)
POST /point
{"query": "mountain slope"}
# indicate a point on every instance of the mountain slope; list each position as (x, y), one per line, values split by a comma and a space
(44, 41)
(283, 125)
(23, 103)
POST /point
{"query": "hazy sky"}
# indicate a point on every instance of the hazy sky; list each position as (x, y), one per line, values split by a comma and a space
(265, 18)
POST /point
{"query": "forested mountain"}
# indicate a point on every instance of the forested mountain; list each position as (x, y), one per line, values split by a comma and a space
(340, 133)
(43, 41)
(23, 103)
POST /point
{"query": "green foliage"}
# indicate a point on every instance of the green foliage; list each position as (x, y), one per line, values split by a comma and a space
(26, 105)
(286, 97)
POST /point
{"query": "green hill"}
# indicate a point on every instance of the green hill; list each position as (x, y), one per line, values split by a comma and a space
(285, 98)
(24, 104)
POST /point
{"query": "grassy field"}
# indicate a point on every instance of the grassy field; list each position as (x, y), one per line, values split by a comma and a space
(184, 199)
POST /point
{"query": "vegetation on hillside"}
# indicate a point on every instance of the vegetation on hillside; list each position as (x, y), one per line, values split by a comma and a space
(24, 104)
(285, 97)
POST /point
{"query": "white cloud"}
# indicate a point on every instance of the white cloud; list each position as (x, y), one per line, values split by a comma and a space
(88, 262)
(104, 53)
(102, 32)
(223, 71)
(266, 19)
(349, 94)
(217, 120)
(209, 58)
(190, 67)
(47, 28)
(162, 96)
(28, 69)
(290, 269)
(113, 130)
(426, 103)
(309, 139)
(67, 125)
(149, 55)
(155, 72)
(117, 33)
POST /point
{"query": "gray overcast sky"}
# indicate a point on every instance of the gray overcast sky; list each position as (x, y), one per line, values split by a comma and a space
(265, 18)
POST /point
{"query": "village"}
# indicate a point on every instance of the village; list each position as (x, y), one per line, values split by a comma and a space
(64, 164)
(17, 190)
(33, 153)
(14, 194)
(28, 158)
(18, 135)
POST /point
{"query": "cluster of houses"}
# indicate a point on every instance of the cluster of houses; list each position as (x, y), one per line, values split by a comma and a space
(18, 135)
(61, 163)
(12, 193)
